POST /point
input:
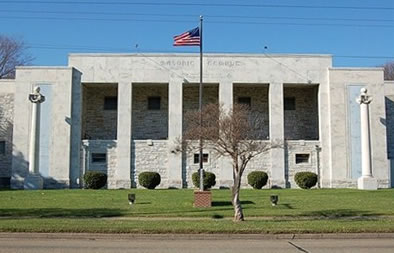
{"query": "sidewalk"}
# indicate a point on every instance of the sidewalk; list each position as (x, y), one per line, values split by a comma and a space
(99, 236)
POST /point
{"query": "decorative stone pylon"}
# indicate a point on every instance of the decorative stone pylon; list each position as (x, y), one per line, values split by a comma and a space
(34, 180)
(366, 181)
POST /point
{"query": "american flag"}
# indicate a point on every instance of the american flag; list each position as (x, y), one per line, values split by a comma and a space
(189, 38)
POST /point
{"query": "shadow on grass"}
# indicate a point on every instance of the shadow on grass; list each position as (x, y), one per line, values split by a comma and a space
(286, 206)
(62, 212)
(228, 203)
(337, 213)
(217, 216)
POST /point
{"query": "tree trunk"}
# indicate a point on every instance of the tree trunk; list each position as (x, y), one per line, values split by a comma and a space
(238, 214)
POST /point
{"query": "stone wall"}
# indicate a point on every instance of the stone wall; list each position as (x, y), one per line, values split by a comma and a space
(191, 98)
(300, 147)
(150, 155)
(150, 124)
(100, 146)
(97, 123)
(261, 162)
(259, 106)
(6, 127)
(303, 122)
(189, 167)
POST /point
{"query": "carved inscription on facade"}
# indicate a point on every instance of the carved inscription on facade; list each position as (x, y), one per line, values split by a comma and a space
(191, 63)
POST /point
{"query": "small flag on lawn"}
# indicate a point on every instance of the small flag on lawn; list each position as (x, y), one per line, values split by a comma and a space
(189, 38)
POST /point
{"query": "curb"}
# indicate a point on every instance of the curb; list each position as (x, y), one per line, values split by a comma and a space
(117, 237)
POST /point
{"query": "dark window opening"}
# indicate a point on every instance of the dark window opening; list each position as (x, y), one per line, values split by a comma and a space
(245, 101)
(2, 147)
(204, 158)
(154, 103)
(302, 158)
(289, 103)
(99, 157)
(110, 103)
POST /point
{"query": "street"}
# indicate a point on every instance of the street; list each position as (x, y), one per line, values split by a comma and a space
(75, 243)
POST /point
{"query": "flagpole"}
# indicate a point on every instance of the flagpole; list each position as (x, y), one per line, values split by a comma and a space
(200, 109)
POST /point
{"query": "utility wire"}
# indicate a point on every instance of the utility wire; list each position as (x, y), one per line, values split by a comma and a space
(384, 8)
(192, 21)
(88, 48)
(191, 15)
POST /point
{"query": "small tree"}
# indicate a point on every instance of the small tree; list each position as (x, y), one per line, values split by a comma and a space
(234, 133)
(12, 53)
(389, 70)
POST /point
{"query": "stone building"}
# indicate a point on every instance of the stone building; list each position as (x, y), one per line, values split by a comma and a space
(121, 114)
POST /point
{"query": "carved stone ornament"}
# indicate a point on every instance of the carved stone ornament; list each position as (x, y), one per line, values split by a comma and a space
(364, 98)
(36, 96)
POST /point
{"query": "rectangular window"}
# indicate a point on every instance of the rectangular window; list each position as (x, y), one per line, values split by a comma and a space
(2, 147)
(110, 103)
(302, 158)
(204, 158)
(245, 101)
(289, 103)
(99, 157)
(154, 103)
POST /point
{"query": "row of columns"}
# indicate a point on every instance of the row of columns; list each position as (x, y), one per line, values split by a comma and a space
(121, 178)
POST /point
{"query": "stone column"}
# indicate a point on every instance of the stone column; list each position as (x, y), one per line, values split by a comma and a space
(366, 181)
(121, 177)
(276, 121)
(175, 111)
(34, 181)
(225, 177)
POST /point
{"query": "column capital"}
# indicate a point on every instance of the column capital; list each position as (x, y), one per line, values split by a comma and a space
(364, 98)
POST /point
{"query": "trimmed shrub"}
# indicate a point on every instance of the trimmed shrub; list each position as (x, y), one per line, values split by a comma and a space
(149, 179)
(209, 179)
(94, 180)
(257, 179)
(305, 180)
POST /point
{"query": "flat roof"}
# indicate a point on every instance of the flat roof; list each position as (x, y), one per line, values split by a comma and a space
(197, 54)
(356, 68)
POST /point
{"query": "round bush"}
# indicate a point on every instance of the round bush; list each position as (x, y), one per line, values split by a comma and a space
(305, 180)
(94, 180)
(209, 179)
(257, 179)
(149, 180)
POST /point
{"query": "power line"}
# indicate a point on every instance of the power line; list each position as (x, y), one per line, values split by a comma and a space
(192, 21)
(384, 8)
(191, 15)
(89, 48)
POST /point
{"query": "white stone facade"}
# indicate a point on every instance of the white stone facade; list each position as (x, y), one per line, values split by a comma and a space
(6, 127)
(122, 114)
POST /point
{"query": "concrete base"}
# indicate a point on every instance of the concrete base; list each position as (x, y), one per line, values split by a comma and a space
(174, 184)
(33, 182)
(367, 183)
(277, 184)
(118, 184)
(225, 184)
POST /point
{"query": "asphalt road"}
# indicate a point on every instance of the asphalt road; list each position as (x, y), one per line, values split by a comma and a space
(182, 244)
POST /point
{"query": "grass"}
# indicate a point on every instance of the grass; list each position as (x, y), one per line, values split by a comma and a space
(161, 211)
(104, 225)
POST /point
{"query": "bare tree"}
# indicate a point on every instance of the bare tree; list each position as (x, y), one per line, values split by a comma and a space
(234, 133)
(13, 52)
(389, 70)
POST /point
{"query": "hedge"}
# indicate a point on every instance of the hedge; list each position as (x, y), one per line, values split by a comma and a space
(149, 180)
(257, 179)
(94, 180)
(208, 182)
(305, 180)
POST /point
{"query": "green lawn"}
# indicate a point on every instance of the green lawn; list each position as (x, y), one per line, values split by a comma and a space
(159, 211)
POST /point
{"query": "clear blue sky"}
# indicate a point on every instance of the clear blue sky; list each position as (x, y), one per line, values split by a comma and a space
(347, 28)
